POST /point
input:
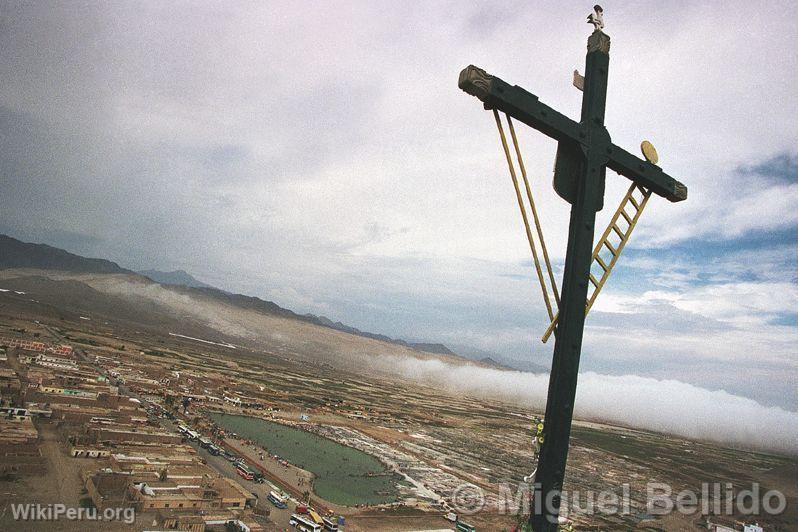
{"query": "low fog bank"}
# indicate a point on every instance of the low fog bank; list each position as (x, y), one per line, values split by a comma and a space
(212, 314)
(667, 406)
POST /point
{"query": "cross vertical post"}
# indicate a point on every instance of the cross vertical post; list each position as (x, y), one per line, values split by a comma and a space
(584, 153)
(589, 190)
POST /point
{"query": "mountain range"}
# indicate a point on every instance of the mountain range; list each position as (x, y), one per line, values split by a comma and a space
(15, 254)
(177, 278)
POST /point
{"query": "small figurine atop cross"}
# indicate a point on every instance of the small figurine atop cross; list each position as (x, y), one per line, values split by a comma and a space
(584, 152)
(596, 17)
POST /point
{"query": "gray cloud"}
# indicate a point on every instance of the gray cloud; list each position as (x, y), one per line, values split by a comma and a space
(323, 156)
(667, 406)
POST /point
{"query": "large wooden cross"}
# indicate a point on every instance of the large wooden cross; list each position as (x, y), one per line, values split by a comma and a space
(583, 154)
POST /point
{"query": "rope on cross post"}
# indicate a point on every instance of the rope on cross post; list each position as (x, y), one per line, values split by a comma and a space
(521, 206)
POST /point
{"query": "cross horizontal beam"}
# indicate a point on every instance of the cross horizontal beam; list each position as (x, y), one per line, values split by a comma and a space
(525, 107)
(518, 103)
(646, 174)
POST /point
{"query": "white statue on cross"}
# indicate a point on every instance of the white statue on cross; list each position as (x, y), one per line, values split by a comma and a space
(596, 18)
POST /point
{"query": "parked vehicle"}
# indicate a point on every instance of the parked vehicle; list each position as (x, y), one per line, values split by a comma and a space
(245, 472)
(277, 500)
(464, 527)
(300, 522)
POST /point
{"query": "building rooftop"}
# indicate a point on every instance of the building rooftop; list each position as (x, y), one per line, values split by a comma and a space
(17, 431)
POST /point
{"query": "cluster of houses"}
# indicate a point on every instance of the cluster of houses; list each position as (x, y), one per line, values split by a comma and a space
(125, 455)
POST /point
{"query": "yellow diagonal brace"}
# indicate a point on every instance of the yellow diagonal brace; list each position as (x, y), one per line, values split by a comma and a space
(523, 215)
(538, 227)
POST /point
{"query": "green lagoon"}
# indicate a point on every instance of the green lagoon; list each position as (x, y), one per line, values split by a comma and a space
(344, 475)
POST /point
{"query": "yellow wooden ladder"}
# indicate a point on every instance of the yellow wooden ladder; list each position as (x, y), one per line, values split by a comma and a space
(637, 197)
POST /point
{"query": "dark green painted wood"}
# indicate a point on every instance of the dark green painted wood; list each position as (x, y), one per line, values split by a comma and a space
(518, 103)
(568, 169)
(527, 108)
(568, 345)
(585, 150)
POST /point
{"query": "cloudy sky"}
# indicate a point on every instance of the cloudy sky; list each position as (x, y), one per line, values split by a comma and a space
(320, 154)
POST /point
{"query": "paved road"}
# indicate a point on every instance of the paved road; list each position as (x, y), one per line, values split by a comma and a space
(277, 516)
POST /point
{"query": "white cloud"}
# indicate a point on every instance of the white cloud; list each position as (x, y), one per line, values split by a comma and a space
(326, 158)
(290, 298)
(740, 303)
(667, 406)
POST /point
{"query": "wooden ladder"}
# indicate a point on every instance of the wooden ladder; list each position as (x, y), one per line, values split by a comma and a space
(637, 197)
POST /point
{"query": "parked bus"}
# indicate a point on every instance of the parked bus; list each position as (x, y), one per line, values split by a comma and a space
(303, 523)
(245, 472)
(464, 527)
(329, 524)
(276, 500)
(187, 432)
